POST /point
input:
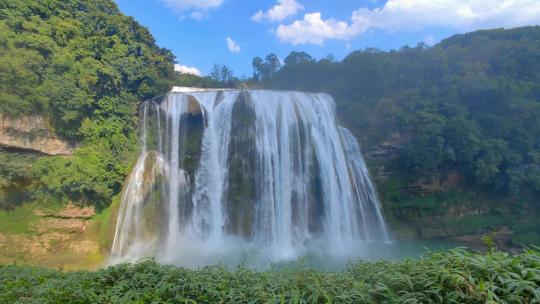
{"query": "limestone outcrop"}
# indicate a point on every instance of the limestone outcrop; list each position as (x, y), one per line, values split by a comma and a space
(31, 133)
(66, 238)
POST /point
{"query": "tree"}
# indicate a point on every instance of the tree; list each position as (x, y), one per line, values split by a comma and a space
(298, 58)
(223, 76)
(469, 104)
(258, 68)
(263, 70)
(272, 63)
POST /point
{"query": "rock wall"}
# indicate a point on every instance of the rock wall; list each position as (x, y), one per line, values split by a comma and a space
(31, 133)
(444, 207)
(65, 239)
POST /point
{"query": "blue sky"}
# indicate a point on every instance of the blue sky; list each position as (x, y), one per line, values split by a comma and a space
(203, 32)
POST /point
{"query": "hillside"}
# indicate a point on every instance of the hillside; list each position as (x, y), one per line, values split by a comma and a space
(71, 76)
(451, 131)
(80, 67)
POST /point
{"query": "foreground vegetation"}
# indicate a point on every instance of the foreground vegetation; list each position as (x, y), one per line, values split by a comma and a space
(454, 276)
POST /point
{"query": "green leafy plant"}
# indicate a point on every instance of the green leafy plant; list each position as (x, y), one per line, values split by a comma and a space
(455, 276)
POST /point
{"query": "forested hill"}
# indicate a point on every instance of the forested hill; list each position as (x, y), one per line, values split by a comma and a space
(83, 66)
(471, 103)
(462, 116)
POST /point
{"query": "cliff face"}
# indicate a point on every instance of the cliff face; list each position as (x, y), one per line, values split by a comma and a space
(66, 238)
(445, 207)
(31, 133)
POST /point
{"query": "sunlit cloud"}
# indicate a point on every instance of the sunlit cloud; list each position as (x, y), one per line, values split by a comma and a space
(182, 5)
(183, 69)
(313, 30)
(413, 15)
(232, 45)
(279, 12)
(197, 15)
(199, 8)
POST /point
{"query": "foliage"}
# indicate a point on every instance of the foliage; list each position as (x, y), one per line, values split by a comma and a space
(298, 58)
(454, 276)
(84, 66)
(14, 175)
(470, 103)
(264, 70)
(18, 220)
(194, 81)
(221, 76)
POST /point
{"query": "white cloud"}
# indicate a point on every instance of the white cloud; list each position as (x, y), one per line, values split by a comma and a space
(258, 16)
(187, 70)
(313, 30)
(198, 15)
(181, 5)
(280, 11)
(414, 15)
(232, 45)
(430, 40)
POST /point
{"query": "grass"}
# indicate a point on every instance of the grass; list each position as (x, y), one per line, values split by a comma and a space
(474, 223)
(18, 220)
(21, 220)
(104, 223)
(454, 276)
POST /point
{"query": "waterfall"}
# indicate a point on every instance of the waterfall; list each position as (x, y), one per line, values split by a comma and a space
(227, 173)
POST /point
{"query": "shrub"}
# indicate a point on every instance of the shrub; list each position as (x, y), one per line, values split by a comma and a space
(454, 276)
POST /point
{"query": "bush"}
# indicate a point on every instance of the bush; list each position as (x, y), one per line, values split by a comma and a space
(454, 276)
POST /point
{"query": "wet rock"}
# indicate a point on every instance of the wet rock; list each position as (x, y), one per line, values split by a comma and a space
(194, 108)
(242, 166)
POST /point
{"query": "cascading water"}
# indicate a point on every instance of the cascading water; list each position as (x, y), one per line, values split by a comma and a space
(245, 177)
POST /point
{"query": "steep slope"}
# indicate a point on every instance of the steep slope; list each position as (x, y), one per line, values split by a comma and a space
(79, 67)
(72, 73)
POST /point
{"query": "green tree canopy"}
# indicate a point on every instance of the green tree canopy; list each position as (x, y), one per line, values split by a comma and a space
(84, 66)
(470, 103)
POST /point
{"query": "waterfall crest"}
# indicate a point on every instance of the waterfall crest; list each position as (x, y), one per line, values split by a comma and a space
(222, 173)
